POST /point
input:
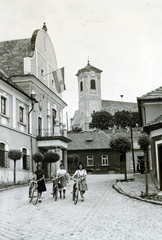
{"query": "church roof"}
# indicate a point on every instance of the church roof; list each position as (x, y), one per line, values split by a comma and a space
(155, 94)
(114, 106)
(88, 68)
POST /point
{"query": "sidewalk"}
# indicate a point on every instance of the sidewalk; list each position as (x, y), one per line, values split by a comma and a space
(135, 187)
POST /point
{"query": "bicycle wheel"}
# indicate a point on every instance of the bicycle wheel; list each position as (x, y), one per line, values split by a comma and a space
(76, 196)
(30, 195)
(34, 197)
(55, 193)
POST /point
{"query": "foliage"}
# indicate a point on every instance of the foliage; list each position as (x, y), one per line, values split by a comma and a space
(144, 142)
(38, 157)
(120, 143)
(51, 157)
(76, 129)
(73, 158)
(102, 120)
(14, 155)
(126, 118)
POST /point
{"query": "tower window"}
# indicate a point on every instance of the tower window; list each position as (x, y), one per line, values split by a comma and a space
(81, 86)
(93, 84)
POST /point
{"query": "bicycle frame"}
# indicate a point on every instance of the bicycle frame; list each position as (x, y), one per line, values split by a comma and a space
(33, 191)
(76, 190)
(55, 187)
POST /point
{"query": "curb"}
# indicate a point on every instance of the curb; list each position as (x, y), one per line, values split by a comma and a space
(119, 190)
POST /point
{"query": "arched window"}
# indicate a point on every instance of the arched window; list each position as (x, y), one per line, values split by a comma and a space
(93, 84)
(2, 154)
(81, 86)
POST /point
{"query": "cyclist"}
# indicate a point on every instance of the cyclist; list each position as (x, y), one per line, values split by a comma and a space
(41, 184)
(63, 180)
(82, 174)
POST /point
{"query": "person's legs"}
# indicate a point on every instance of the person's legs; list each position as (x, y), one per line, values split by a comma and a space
(64, 193)
(60, 193)
(82, 197)
(39, 196)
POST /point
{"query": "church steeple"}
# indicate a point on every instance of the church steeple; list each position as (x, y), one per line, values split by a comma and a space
(89, 93)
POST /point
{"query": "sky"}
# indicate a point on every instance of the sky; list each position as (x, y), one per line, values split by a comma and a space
(121, 37)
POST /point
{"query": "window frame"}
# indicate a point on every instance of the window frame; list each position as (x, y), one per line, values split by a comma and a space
(93, 84)
(104, 159)
(42, 73)
(21, 114)
(3, 106)
(88, 159)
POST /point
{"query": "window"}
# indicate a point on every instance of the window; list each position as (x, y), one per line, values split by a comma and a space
(53, 83)
(42, 72)
(24, 158)
(104, 160)
(81, 86)
(21, 112)
(3, 105)
(4, 161)
(90, 160)
(93, 84)
(2, 154)
(39, 126)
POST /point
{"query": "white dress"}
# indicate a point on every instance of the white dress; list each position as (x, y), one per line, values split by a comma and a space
(63, 180)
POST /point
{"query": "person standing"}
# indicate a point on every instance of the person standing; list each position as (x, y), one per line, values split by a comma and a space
(82, 174)
(63, 179)
(41, 184)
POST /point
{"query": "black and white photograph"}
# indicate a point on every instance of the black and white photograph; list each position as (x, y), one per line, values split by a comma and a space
(81, 120)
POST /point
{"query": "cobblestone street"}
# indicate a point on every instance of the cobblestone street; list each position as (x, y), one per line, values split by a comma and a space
(105, 214)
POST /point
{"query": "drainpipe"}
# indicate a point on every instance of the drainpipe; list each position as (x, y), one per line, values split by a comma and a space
(33, 101)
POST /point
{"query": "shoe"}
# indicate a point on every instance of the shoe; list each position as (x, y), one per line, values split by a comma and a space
(82, 200)
(51, 193)
(40, 200)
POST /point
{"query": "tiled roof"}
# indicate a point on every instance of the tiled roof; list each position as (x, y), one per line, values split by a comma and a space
(89, 140)
(108, 105)
(88, 68)
(12, 55)
(5, 78)
(155, 94)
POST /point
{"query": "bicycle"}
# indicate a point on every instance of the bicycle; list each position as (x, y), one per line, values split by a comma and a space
(76, 190)
(33, 191)
(55, 187)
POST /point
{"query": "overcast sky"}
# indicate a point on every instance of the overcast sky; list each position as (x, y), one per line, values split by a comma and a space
(121, 37)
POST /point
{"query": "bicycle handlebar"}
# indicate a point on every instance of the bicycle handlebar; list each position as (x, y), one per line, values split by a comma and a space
(35, 181)
(56, 178)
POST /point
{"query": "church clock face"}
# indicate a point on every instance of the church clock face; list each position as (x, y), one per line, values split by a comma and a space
(92, 73)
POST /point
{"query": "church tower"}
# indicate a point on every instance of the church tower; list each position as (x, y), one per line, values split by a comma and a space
(89, 93)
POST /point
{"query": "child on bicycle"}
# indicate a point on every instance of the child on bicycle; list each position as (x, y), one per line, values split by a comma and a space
(82, 174)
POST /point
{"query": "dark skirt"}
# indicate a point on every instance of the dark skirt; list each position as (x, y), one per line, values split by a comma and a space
(41, 186)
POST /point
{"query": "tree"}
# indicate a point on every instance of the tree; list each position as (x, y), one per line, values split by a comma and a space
(144, 142)
(51, 157)
(126, 118)
(76, 129)
(102, 120)
(73, 158)
(122, 145)
(38, 157)
(14, 155)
